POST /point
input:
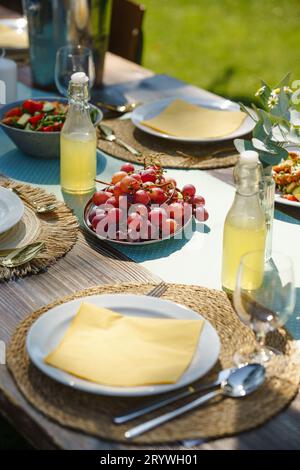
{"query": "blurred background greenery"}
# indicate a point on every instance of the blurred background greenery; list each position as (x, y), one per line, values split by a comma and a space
(225, 46)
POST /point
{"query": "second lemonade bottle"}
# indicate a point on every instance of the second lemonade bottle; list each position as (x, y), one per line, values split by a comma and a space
(78, 140)
(245, 226)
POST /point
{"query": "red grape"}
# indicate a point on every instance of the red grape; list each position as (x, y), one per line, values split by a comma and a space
(139, 209)
(137, 177)
(116, 177)
(154, 167)
(129, 184)
(102, 227)
(188, 191)
(175, 211)
(175, 196)
(198, 200)
(201, 214)
(169, 226)
(141, 197)
(115, 215)
(97, 219)
(187, 211)
(149, 175)
(157, 215)
(127, 167)
(135, 221)
(149, 231)
(117, 191)
(111, 201)
(100, 197)
(92, 215)
(171, 182)
(158, 196)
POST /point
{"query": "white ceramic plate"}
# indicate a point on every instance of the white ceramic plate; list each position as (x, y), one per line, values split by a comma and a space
(17, 26)
(11, 209)
(286, 202)
(46, 333)
(149, 110)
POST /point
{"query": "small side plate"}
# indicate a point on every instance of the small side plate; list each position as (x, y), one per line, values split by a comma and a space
(11, 209)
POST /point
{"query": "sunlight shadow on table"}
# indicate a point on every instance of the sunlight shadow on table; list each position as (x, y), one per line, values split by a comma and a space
(293, 324)
(162, 249)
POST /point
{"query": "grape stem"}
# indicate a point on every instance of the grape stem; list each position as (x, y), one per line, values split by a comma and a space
(103, 182)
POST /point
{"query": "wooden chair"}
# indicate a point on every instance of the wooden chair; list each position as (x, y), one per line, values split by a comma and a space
(126, 36)
(15, 5)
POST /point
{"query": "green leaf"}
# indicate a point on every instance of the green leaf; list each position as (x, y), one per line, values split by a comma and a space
(259, 131)
(285, 81)
(248, 111)
(241, 145)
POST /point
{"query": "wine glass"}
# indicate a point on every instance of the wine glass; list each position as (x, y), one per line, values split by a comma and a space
(264, 299)
(71, 59)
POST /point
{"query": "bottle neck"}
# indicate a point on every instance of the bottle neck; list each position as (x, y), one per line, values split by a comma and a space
(247, 177)
(78, 94)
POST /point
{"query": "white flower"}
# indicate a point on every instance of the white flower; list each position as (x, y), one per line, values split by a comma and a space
(275, 92)
(272, 101)
(260, 91)
(287, 89)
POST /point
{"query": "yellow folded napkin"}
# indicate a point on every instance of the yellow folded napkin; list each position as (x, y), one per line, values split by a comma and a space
(10, 37)
(182, 119)
(108, 348)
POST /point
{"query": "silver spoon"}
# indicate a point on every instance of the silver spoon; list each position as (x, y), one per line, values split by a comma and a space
(39, 208)
(163, 401)
(241, 382)
(119, 108)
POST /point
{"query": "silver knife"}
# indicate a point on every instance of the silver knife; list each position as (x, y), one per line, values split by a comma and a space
(159, 403)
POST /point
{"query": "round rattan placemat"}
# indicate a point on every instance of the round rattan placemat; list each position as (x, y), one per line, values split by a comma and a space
(172, 154)
(57, 229)
(93, 414)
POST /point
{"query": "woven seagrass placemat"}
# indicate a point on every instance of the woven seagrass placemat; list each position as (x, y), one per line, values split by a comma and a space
(57, 229)
(225, 416)
(172, 154)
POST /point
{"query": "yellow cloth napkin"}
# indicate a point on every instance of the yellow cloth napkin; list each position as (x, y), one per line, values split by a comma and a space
(182, 119)
(10, 37)
(108, 348)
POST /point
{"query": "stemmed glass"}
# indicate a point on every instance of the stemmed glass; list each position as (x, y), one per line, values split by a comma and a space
(71, 59)
(264, 299)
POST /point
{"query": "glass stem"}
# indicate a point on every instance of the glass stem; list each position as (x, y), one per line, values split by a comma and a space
(260, 339)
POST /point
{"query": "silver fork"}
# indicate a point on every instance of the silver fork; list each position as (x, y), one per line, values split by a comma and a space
(158, 290)
(107, 133)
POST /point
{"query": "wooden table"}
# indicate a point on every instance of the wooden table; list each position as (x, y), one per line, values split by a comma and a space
(103, 265)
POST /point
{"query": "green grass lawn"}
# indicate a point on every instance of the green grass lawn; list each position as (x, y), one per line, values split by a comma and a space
(225, 46)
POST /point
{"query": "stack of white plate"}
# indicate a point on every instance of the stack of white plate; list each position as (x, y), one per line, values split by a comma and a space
(11, 209)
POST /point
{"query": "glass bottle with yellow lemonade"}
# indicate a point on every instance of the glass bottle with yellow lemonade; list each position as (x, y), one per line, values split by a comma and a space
(245, 226)
(78, 140)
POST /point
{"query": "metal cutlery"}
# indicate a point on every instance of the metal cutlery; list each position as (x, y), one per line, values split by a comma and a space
(119, 108)
(108, 134)
(18, 256)
(240, 383)
(39, 208)
(158, 290)
(161, 402)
